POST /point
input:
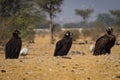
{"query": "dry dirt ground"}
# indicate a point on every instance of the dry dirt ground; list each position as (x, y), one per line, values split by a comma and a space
(40, 64)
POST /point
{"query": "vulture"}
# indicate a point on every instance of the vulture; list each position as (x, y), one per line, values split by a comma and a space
(13, 46)
(63, 46)
(104, 44)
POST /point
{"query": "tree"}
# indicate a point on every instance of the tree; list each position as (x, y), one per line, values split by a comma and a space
(19, 14)
(105, 19)
(9, 7)
(116, 14)
(73, 25)
(51, 7)
(84, 14)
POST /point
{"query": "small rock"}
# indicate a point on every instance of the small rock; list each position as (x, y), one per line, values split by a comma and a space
(72, 71)
(57, 64)
(20, 60)
(40, 69)
(29, 72)
(24, 78)
(88, 78)
(97, 60)
(26, 73)
(116, 65)
(76, 64)
(3, 71)
(63, 66)
(74, 67)
(117, 76)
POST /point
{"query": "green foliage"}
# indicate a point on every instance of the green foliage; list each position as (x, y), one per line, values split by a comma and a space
(105, 18)
(23, 15)
(83, 13)
(116, 14)
(51, 7)
(4, 31)
(9, 7)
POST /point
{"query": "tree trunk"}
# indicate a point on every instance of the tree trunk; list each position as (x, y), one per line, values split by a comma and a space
(85, 22)
(84, 28)
(51, 30)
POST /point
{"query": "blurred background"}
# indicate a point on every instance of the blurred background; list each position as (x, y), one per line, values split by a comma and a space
(88, 18)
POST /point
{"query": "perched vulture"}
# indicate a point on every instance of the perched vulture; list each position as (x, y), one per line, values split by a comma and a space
(104, 44)
(13, 47)
(63, 46)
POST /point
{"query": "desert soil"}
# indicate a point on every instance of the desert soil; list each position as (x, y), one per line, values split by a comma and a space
(40, 64)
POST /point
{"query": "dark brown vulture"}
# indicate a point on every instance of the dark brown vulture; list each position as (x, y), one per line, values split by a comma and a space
(63, 46)
(13, 47)
(104, 44)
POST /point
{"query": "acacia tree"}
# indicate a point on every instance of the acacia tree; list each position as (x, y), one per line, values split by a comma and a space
(8, 8)
(105, 19)
(21, 15)
(116, 14)
(51, 7)
(116, 17)
(84, 14)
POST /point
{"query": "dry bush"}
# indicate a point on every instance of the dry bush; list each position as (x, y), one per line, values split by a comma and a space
(57, 30)
(5, 34)
(76, 34)
(42, 33)
(86, 32)
(116, 30)
(95, 32)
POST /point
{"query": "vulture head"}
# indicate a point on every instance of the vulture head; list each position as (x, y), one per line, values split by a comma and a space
(16, 33)
(68, 34)
(109, 30)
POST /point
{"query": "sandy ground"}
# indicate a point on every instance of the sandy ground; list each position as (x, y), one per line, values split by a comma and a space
(40, 64)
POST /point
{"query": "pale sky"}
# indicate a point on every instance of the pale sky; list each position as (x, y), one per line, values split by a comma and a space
(100, 6)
